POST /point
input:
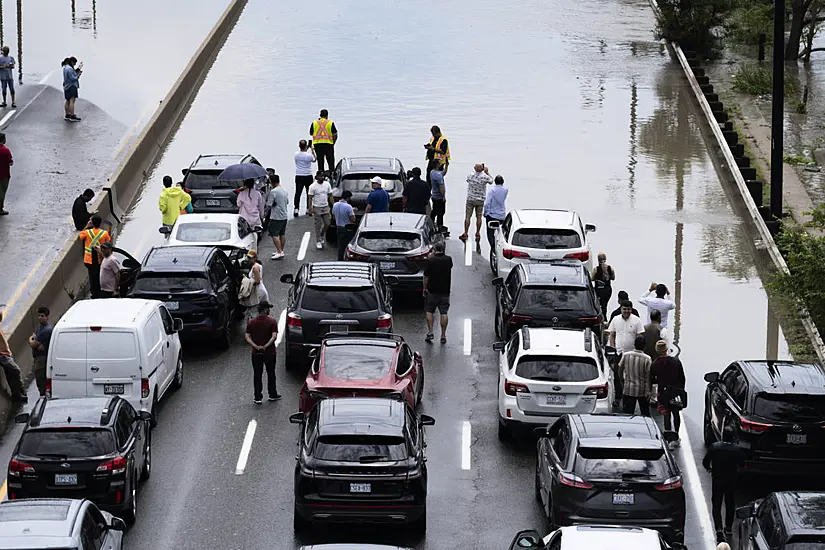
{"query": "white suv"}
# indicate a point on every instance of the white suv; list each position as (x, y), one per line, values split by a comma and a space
(538, 235)
(547, 372)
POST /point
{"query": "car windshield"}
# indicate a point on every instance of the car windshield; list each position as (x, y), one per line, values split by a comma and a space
(358, 362)
(557, 369)
(617, 463)
(359, 183)
(208, 179)
(204, 232)
(389, 241)
(339, 300)
(78, 443)
(542, 302)
(790, 407)
(360, 448)
(546, 238)
(171, 283)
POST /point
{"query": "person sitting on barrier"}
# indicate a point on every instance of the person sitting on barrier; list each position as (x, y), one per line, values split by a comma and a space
(10, 368)
(80, 213)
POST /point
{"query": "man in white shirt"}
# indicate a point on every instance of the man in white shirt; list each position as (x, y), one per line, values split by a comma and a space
(623, 330)
(318, 207)
(657, 297)
(303, 172)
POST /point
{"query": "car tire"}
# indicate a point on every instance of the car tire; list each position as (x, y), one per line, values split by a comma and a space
(419, 526)
(496, 322)
(707, 430)
(493, 261)
(504, 433)
(155, 412)
(299, 523)
(177, 381)
(130, 511)
(146, 471)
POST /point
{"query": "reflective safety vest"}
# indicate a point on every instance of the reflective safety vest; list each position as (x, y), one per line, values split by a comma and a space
(437, 154)
(92, 238)
(322, 131)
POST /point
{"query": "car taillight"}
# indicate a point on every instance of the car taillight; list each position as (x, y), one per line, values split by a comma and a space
(144, 388)
(753, 427)
(589, 320)
(16, 468)
(574, 481)
(599, 391)
(424, 256)
(384, 321)
(188, 191)
(48, 387)
(357, 256)
(115, 466)
(293, 320)
(669, 484)
(515, 388)
(509, 253)
(581, 256)
(516, 319)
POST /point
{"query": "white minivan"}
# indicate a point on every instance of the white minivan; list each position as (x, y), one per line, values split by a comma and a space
(118, 346)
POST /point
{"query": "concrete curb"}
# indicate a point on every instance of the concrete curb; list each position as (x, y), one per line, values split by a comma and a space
(66, 277)
(691, 68)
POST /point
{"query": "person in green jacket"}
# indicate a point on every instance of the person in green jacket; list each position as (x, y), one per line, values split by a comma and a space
(172, 201)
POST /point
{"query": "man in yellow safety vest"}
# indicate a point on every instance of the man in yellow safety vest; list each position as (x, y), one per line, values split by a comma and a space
(324, 135)
(92, 239)
(438, 152)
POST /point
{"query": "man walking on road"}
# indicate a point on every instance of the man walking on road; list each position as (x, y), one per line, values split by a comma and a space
(278, 200)
(657, 297)
(81, 214)
(439, 195)
(7, 76)
(172, 202)
(438, 152)
(344, 216)
(261, 333)
(10, 368)
(303, 172)
(6, 162)
(378, 200)
(653, 333)
(495, 207)
(477, 184)
(109, 272)
(437, 283)
(39, 343)
(416, 194)
(634, 368)
(623, 331)
(92, 239)
(319, 199)
(622, 296)
(324, 136)
(723, 460)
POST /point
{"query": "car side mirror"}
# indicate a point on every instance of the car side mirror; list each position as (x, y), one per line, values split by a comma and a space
(312, 353)
(498, 346)
(712, 377)
(427, 420)
(177, 324)
(145, 415)
(391, 280)
(296, 418)
(288, 278)
(130, 263)
(745, 512)
(589, 228)
(541, 431)
(493, 225)
(117, 524)
(498, 281)
(528, 539)
(418, 357)
(22, 418)
(165, 230)
(184, 171)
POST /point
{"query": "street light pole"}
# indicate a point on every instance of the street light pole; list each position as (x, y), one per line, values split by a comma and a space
(777, 108)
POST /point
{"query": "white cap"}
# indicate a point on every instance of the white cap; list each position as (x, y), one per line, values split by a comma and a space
(377, 180)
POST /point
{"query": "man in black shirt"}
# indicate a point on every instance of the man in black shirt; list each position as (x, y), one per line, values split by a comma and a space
(437, 282)
(622, 296)
(722, 460)
(416, 194)
(80, 214)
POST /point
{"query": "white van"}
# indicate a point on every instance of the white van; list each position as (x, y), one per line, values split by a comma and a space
(117, 346)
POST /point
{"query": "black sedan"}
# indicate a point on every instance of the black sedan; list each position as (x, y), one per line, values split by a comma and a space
(787, 520)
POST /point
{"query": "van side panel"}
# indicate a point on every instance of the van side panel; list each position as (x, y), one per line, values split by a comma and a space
(67, 363)
(113, 359)
(154, 369)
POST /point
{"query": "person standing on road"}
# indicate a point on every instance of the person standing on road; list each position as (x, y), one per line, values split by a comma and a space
(10, 368)
(622, 332)
(80, 213)
(622, 296)
(378, 200)
(477, 184)
(603, 277)
(92, 239)
(344, 216)
(417, 194)
(6, 162)
(320, 193)
(278, 201)
(438, 152)
(634, 367)
(71, 85)
(109, 272)
(261, 333)
(723, 460)
(256, 273)
(437, 283)
(669, 374)
(439, 195)
(657, 297)
(324, 136)
(172, 201)
(39, 343)
(303, 173)
(654, 332)
(495, 208)
(7, 64)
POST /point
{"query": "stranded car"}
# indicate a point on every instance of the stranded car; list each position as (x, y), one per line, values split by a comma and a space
(229, 232)
(354, 174)
(787, 520)
(209, 193)
(581, 537)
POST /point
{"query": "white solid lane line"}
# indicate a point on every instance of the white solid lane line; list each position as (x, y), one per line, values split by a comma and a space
(246, 446)
(468, 336)
(6, 118)
(694, 485)
(281, 328)
(468, 254)
(46, 78)
(302, 251)
(466, 441)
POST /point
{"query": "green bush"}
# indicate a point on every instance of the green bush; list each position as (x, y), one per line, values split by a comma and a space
(755, 79)
(746, 22)
(693, 24)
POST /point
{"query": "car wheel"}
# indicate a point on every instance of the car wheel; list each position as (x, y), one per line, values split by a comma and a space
(177, 381)
(538, 484)
(504, 433)
(496, 322)
(419, 526)
(707, 430)
(146, 471)
(494, 261)
(299, 523)
(130, 512)
(155, 411)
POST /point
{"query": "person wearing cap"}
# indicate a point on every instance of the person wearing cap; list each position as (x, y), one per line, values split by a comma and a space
(344, 216)
(109, 272)
(669, 374)
(261, 333)
(437, 282)
(320, 194)
(378, 200)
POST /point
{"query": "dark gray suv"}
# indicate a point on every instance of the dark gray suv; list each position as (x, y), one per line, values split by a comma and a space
(209, 194)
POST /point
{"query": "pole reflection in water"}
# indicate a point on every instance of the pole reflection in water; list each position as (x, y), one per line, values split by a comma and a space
(94, 17)
(73, 12)
(631, 163)
(20, 41)
(677, 277)
(1, 23)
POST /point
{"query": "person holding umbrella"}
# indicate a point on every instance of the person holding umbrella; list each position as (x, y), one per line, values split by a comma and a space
(251, 203)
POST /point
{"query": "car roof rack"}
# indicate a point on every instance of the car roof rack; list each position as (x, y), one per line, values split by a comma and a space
(363, 334)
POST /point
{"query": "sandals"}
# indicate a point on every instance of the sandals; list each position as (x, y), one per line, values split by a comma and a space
(463, 237)
(443, 339)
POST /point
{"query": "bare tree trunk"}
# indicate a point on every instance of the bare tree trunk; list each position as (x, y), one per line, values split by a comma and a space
(798, 10)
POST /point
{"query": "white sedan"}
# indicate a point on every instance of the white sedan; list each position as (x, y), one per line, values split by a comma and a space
(229, 232)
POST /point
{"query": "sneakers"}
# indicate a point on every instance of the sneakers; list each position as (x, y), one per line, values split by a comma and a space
(275, 397)
(257, 401)
(429, 338)
(295, 213)
(3, 212)
(319, 245)
(277, 256)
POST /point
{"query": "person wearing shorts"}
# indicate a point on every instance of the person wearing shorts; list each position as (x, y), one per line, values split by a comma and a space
(477, 184)
(437, 282)
(71, 85)
(7, 64)
(278, 201)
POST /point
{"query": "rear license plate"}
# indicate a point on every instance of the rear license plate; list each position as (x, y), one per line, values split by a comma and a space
(797, 439)
(339, 328)
(172, 306)
(65, 479)
(213, 202)
(624, 498)
(360, 487)
(112, 389)
(557, 400)
(386, 265)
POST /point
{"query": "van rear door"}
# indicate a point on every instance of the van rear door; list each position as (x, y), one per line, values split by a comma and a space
(67, 363)
(113, 364)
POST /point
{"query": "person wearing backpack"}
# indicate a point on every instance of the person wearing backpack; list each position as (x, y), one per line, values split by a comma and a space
(602, 276)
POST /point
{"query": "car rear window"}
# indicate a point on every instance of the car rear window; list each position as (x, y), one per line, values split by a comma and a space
(790, 408)
(806, 542)
(358, 183)
(195, 282)
(68, 443)
(208, 179)
(557, 369)
(546, 238)
(389, 241)
(339, 300)
(34, 511)
(358, 362)
(617, 463)
(360, 448)
(208, 232)
(542, 301)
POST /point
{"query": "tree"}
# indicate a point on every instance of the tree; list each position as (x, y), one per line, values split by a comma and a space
(692, 23)
(805, 19)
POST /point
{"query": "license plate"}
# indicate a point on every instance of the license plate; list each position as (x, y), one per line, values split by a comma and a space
(797, 439)
(112, 389)
(557, 400)
(213, 202)
(360, 487)
(172, 306)
(386, 265)
(339, 328)
(624, 498)
(65, 479)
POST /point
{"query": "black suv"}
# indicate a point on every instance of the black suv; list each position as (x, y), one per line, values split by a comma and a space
(354, 174)
(401, 244)
(592, 468)
(773, 410)
(555, 293)
(785, 520)
(334, 297)
(198, 284)
(92, 447)
(361, 459)
(209, 194)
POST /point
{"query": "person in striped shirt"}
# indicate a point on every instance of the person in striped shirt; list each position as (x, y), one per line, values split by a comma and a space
(634, 368)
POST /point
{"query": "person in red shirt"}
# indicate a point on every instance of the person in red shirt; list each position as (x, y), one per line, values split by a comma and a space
(261, 332)
(6, 162)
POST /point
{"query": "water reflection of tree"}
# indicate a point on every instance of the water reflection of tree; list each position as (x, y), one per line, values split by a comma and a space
(724, 248)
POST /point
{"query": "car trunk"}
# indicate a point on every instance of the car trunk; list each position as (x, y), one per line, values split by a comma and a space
(557, 306)
(209, 194)
(395, 252)
(329, 309)
(543, 244)
(316, 324)
(558, 385)
(187, 296)
(793, 426)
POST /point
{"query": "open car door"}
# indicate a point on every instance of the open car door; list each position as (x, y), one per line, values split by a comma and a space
(129, 269)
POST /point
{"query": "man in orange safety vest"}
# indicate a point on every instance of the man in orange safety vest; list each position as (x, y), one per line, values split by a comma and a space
(92, 239)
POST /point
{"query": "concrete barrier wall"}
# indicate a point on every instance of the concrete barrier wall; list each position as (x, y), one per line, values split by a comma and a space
(66, 277)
